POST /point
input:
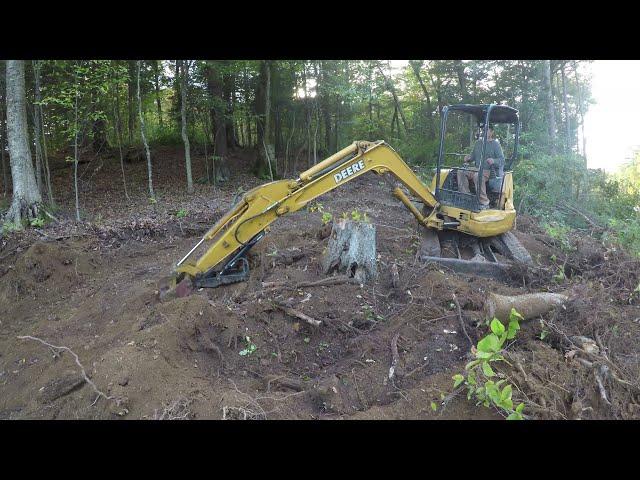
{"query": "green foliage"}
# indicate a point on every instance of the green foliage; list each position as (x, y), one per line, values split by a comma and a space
(356, 216)
(37, 222)
(181, 213)
(249, 348)
(8, 227)
(326, 218)
(479, 380)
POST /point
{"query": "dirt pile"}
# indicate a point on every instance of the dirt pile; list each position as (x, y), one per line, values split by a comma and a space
(42, 267)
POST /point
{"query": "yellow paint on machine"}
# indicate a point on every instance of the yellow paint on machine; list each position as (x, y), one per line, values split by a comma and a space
(264, 204)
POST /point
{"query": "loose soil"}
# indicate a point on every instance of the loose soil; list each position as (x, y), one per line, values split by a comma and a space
(232, 353)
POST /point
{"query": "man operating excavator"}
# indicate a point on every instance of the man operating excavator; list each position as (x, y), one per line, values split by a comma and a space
(493, 156)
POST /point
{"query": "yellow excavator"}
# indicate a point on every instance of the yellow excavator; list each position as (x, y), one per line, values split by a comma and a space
(448, 215)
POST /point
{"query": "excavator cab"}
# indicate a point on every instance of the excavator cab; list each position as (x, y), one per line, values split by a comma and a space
(479, 118)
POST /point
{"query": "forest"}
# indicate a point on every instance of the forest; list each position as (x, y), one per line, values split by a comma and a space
(113, 169)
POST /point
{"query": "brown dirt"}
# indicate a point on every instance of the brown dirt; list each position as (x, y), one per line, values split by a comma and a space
(92, 288)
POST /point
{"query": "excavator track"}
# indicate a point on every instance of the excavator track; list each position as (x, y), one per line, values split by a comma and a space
(515, 249)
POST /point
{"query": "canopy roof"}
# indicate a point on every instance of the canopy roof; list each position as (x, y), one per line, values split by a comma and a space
(499, 113)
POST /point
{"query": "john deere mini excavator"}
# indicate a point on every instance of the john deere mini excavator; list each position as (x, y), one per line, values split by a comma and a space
(450, 218)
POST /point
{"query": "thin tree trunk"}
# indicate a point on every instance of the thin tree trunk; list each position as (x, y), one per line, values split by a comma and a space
(75, 155)
(41, 148)
(144, 138)
(130, 106)
(183, 110)
(431, 135)
(206, 142)
(26, 197)
(584, 140)
(156, 68)
(286, 153)
(248, 107)
(548, 98)
(315, 136)
(392, 89)
(36, 141)
(5, 182)
(118, 127)
(567, 120)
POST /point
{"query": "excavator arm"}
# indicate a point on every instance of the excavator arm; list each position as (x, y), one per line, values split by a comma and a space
(238, 230)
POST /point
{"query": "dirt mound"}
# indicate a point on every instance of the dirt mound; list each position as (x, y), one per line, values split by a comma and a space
(45, 265)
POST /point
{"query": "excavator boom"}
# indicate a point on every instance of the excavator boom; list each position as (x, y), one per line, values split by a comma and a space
(239, 229)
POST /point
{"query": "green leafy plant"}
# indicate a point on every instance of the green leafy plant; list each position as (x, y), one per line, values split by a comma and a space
(315, 207)
(11, 227)
(480, 376)
(181, 213)
(370, 315)
(249, 349)
(326, 218)
(37, 222)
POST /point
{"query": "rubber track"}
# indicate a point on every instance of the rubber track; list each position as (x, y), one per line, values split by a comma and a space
(515, 248)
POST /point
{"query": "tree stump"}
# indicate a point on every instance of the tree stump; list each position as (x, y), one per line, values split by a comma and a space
(352, 250)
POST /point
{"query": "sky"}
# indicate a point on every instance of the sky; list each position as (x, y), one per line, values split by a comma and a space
(611, 125)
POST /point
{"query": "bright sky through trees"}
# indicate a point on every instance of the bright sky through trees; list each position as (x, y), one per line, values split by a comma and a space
(611, 125)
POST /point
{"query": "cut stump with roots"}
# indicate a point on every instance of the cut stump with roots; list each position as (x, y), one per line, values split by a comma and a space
(352, 250)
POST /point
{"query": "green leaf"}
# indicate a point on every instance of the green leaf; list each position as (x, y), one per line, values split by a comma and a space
(514, 326)
(514, 315)
(506, 392)
(487, 370)
(471, 364)
(497, 327)
(471, 378)
(506, 404)
(483, 355)
(490, 343)
(515, 416)
(434, 406)
(457, 380)
(520, 408)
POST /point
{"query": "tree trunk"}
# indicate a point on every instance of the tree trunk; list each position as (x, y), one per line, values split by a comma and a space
(352, 250)
(36, 142)
(218, 123)
(26, 198)
(263, 113)
(580, 110)
(431, 133)
(247, 108)
(40, 141)
(156, 71)
(75, 154)
(567, 120)
(5, 182)
(228, 82)
(130, 104)
(183, 110)
(144, 137)
(118, 128)
(548, 99)
(392, 89)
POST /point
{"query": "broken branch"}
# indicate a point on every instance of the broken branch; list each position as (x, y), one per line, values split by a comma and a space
(82, 370)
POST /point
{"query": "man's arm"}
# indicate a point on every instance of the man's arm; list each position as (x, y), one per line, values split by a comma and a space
(499, 154)
(475, 154)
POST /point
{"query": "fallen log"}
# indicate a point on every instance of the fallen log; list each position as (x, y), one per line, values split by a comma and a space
(529, 305)
(324, 282)
(496, 270)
